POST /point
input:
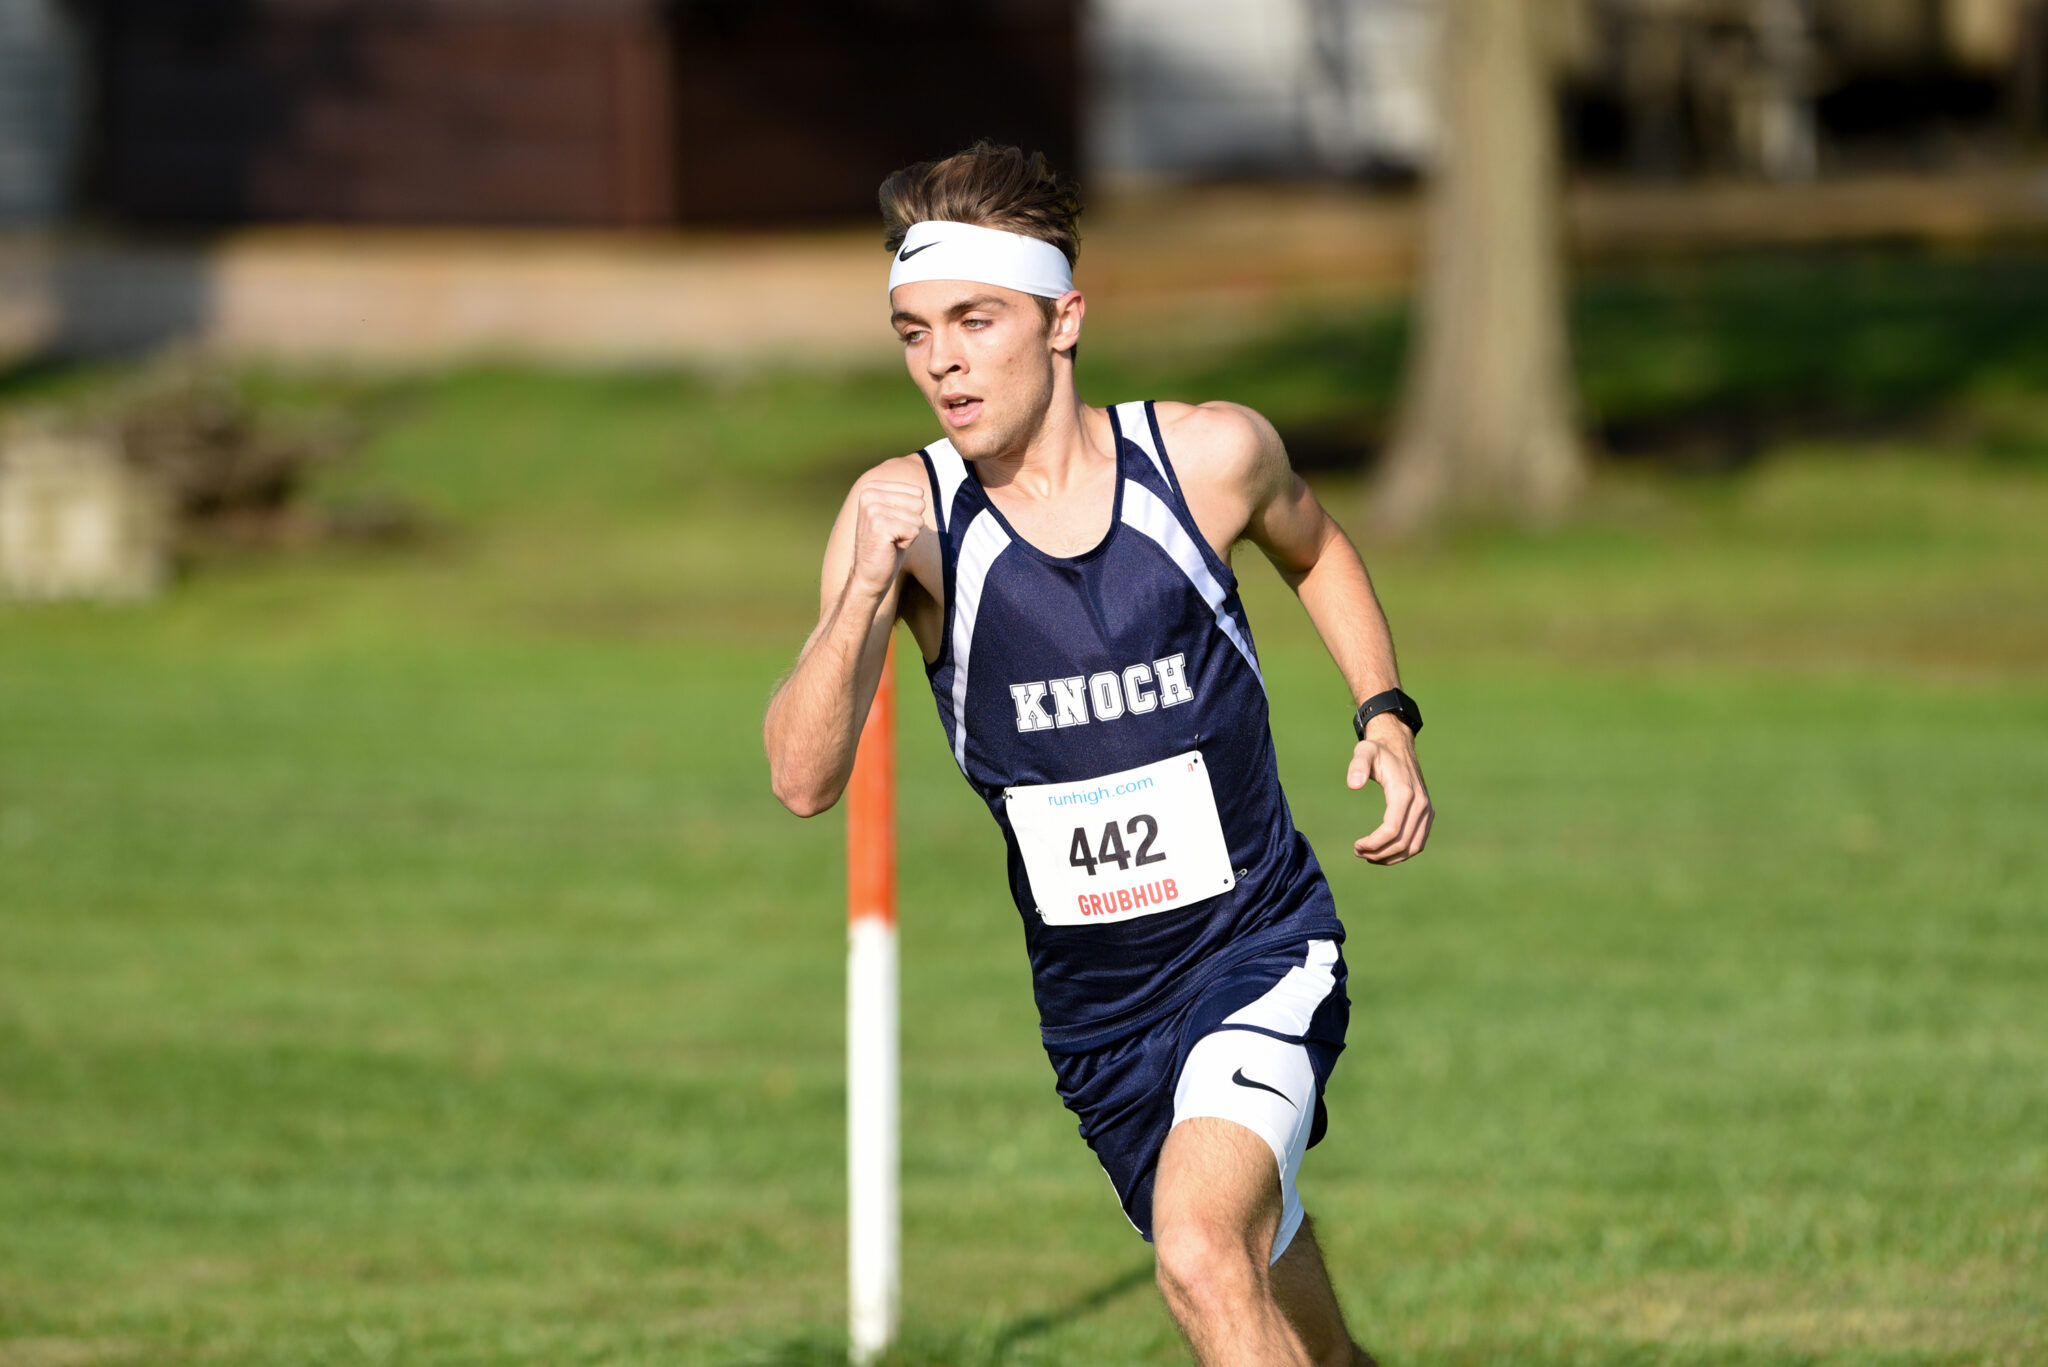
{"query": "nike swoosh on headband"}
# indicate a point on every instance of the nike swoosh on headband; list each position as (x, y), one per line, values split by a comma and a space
(989, 256)
(1241, 1080)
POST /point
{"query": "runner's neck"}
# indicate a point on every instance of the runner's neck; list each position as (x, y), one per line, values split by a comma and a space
(1063, 456)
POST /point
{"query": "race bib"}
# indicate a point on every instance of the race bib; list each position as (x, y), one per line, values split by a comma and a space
(1124, 845)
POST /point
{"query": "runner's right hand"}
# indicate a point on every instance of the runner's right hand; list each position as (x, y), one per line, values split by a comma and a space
(888, 515)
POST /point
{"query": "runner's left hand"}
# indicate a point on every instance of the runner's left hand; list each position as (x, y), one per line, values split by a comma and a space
(1387, 757)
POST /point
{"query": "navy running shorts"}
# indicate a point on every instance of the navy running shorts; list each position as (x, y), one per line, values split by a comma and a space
(1256, 1046)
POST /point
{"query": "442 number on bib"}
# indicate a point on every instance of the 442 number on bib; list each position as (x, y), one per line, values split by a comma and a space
(1112, 848)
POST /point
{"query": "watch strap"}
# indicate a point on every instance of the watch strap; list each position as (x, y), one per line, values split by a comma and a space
(1393, 700)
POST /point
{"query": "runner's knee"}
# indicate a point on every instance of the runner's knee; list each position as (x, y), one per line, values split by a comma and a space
(1205, 1269)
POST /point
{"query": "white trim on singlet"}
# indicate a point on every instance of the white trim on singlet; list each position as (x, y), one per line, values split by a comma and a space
(1136, 425)
(1144, 511)
(951, 470)
(1290, 1004)
(984, 541)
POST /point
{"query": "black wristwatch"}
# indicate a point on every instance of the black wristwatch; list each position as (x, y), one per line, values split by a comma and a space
(1393, 700)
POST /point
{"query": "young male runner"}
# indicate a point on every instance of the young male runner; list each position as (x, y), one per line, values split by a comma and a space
(1066, 572)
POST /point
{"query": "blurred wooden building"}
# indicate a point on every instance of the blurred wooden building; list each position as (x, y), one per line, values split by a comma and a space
(614, 113)
(652, 113)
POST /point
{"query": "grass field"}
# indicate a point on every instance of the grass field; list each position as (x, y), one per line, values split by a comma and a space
(402, 961)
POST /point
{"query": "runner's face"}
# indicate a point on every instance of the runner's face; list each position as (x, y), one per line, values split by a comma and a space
(981, 356)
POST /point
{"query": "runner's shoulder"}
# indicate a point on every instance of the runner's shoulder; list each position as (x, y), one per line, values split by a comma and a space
(1219, 442)
(895, 470)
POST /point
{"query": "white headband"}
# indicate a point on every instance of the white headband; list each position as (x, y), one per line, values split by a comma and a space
(940, 250)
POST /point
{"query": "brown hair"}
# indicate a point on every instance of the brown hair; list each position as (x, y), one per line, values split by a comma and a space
(990, 186)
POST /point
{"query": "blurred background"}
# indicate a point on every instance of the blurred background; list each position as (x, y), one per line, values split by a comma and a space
(419, 425)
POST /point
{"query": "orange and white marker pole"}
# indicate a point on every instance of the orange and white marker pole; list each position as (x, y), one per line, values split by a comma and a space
(873, 1225)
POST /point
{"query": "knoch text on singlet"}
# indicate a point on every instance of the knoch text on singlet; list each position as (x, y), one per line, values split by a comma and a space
(1132, 691)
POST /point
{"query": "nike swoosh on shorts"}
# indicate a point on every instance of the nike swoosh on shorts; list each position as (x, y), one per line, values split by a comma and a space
(1241, 1080)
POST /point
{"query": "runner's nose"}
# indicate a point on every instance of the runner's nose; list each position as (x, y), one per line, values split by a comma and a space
(944, 357)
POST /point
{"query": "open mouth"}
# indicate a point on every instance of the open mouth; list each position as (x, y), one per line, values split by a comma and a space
(961, 409)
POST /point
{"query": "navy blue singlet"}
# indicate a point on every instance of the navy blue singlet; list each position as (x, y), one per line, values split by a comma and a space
(1153, 589)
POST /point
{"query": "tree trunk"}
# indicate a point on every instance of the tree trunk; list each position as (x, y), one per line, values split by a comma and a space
(1488, 424)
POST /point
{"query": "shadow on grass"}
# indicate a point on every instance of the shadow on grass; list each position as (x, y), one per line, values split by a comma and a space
(990, 1346)
(1032, 1326)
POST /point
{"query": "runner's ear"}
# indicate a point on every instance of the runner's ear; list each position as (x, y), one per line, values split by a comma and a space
(1063, 321)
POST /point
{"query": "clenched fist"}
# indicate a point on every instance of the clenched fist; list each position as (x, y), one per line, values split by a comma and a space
(887, 517)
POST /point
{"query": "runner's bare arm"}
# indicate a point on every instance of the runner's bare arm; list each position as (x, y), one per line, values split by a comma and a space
(815, 718)
(1243, 484)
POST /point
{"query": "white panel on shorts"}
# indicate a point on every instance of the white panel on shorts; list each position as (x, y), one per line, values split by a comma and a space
(952, 472)
(1291, 1003)
(1133, 422)
(1144, 511)
(985, 540)
(1264, 1084)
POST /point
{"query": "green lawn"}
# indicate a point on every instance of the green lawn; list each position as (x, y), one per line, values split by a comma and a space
(402, 961)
